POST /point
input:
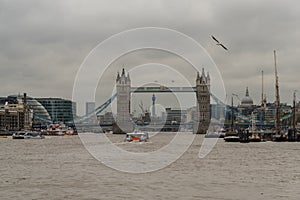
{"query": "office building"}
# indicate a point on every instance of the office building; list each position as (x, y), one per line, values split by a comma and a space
(60, 110)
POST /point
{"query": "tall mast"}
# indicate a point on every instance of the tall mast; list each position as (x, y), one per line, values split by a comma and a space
(277, 127)
(294, 111)
(262, 88)
(232, 114)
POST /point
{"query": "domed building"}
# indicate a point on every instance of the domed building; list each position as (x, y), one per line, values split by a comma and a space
(246, 107)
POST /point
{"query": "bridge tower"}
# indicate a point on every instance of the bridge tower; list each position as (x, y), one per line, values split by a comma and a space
(203, 103)
(123, 122)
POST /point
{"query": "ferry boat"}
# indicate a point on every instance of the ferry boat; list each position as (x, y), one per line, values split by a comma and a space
(137, 135)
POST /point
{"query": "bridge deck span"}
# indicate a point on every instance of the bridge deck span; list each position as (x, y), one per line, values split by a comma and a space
(162, 89)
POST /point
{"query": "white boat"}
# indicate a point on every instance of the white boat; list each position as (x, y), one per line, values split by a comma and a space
(137, 135)
(27, 135)
(70, 132)
(33, 135)
(57, 129)
(18, 135)
(215, 134)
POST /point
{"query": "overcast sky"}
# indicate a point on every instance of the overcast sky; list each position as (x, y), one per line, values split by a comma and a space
(43, 43)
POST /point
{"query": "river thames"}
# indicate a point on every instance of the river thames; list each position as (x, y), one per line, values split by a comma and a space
(61, 168)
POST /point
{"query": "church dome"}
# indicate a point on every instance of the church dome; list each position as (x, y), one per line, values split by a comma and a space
(247, 100)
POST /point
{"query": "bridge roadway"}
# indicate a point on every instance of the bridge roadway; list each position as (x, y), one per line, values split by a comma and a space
(183, 124)
(162, 89)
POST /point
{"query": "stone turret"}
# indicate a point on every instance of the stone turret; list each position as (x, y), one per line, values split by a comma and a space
(202, 120)
(123, 121)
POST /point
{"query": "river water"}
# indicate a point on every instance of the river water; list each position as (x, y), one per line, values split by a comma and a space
(61, 168)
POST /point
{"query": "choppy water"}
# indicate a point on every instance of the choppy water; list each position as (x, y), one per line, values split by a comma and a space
(61, 168)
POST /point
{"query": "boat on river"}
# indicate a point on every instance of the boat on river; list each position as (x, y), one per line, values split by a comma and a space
(215, 134)
(33, 135)
(137, 135)
(231, 136)
(27, 135)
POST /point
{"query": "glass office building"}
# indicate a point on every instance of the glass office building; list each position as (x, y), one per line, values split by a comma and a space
(60, 110)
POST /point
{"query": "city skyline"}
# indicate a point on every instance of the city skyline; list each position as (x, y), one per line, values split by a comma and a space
(44, 43)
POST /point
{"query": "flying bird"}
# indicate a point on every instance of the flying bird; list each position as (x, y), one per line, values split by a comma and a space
(218, 43)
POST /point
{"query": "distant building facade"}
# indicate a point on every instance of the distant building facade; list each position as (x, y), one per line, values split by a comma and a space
(175, 116)
(107, 118)
(60, 110)
(89, 107)
(15, 116)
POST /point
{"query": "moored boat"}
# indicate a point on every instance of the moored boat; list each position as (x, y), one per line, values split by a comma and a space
(57, 129)
(27, 135)
(33, 135)
(231, 137)
(18, 135)
(255, 138)
(280, 138)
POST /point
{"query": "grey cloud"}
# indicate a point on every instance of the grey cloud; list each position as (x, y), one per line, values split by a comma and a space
(43, 43)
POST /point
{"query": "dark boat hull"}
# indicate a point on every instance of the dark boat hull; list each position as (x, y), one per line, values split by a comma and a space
(231, 139)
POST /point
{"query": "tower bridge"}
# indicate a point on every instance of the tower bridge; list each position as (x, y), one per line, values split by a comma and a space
(202, 117)
(124, 90)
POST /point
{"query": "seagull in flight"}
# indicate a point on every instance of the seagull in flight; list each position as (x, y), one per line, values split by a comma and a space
(218, 43)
